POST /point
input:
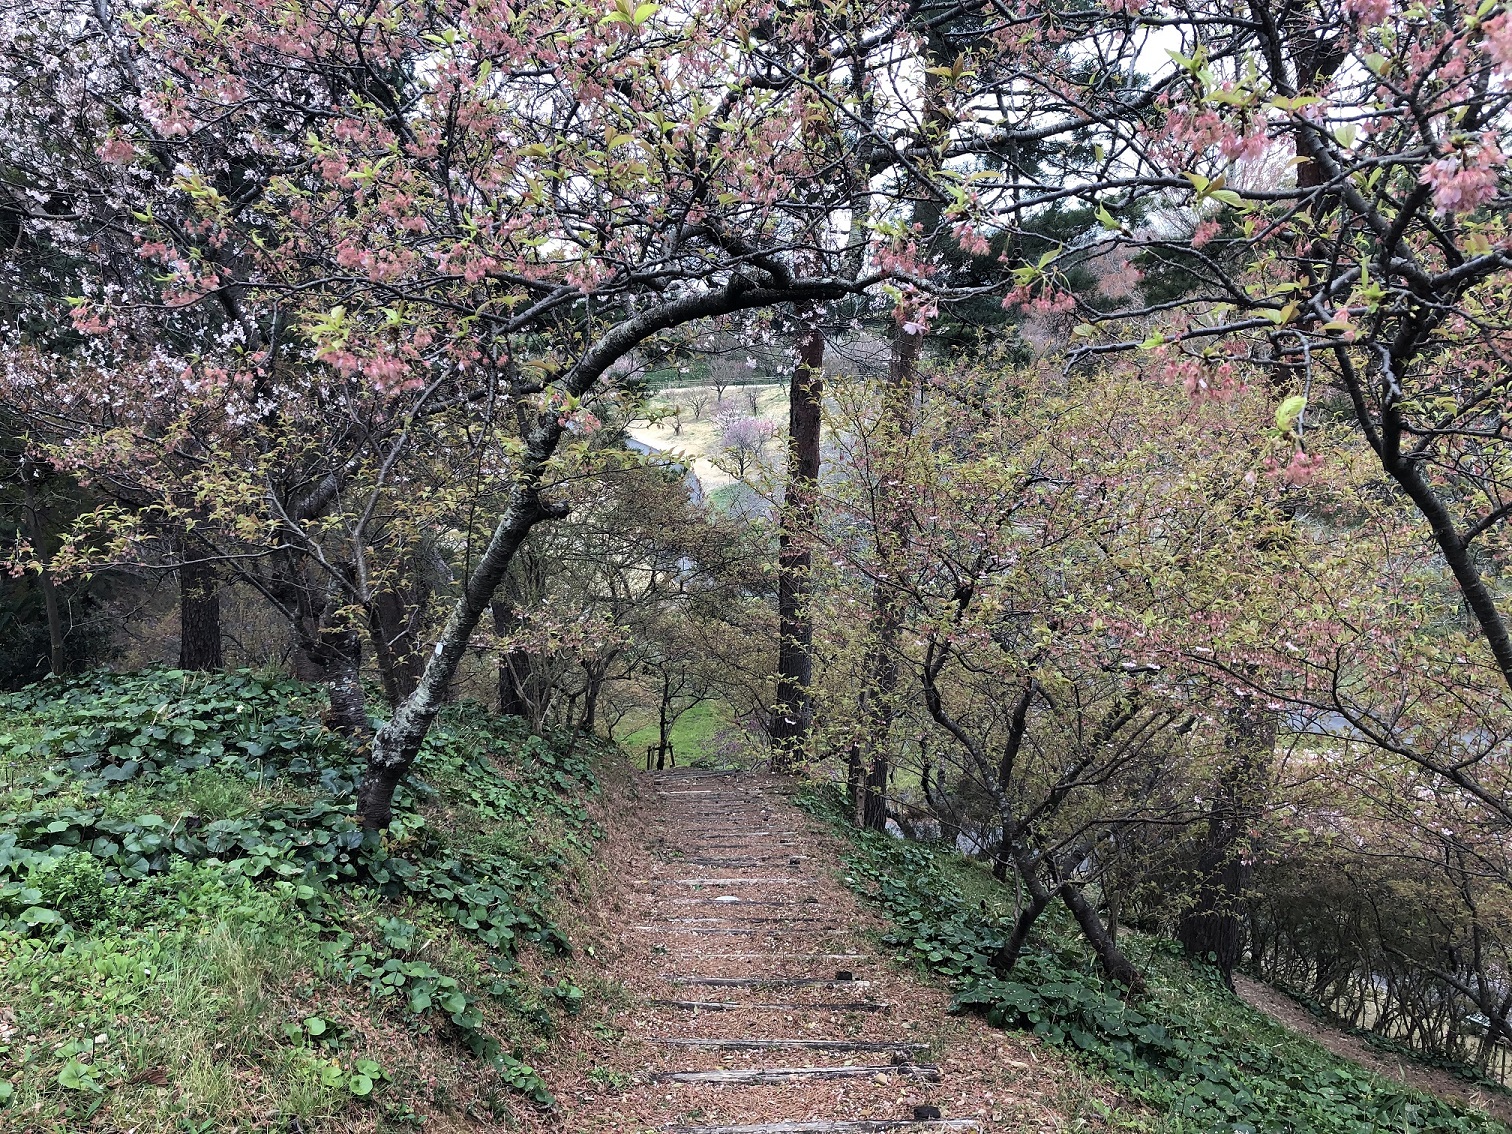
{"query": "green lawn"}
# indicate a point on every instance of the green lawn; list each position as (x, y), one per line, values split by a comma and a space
(692, 736)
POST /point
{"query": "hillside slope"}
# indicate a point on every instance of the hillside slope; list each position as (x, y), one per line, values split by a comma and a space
(195, 936)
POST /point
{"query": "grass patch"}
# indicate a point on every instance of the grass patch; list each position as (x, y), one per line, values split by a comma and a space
(195, 935)
(693, 738)
(1191, 1055)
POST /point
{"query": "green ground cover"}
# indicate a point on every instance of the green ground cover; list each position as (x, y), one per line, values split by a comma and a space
(195, 935)
(1188, 1055)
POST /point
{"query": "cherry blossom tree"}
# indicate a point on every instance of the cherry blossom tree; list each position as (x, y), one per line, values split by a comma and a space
(392, 219)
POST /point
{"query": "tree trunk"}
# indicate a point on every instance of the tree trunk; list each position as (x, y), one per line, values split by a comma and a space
(793, 718)
(1212, 927)
(57, 658)
(869, 755)
(199, 612)
(334, 659)
(514, 664)
(595, 684)
(1109, 956)
(393, 624)
(664, 726)
(1039, 900)
(1007, 956)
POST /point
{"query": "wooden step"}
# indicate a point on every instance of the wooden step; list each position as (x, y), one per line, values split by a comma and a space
(785, 881)
(766, 1076)
(786, 957)
(838, 1126)
(743, 921)
(784, 1006)
(765, 982)
(698, 931)
(790, 1044)
(732, 900)
(757, 834)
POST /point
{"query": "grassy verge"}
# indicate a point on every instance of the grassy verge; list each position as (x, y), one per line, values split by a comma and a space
(195, 936)
(1189, 1055)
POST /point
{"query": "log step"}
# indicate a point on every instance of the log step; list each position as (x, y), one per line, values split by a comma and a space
(770, 1006)
(785, 1006)
(790, 1044)
(822, 1126)
(765, 1076)
(785, 881)
(695, 931)
(762, 834)
(785, 957)
(765, 982)
(732, 900)
(740, 920)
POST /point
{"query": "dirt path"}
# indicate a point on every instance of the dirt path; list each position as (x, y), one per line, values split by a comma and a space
(753, 1000)
(1431, 1079)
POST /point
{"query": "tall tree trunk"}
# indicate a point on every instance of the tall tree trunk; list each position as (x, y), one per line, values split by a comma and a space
(868, 773)
(393, 625)
(1212, 927)
(199, 611)
(332, 656)
(57, 658)
(514, 664)
(793, 719)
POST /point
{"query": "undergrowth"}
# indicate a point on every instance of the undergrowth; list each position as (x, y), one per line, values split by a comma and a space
(1188, 1053)
(195, 934)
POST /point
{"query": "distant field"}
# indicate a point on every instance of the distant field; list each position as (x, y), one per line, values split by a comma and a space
(698, 442)
(692, 736)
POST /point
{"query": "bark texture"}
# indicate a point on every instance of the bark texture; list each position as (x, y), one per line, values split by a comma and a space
(199, 612)
(869, 768)
(793, 718)
(1212, 928)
